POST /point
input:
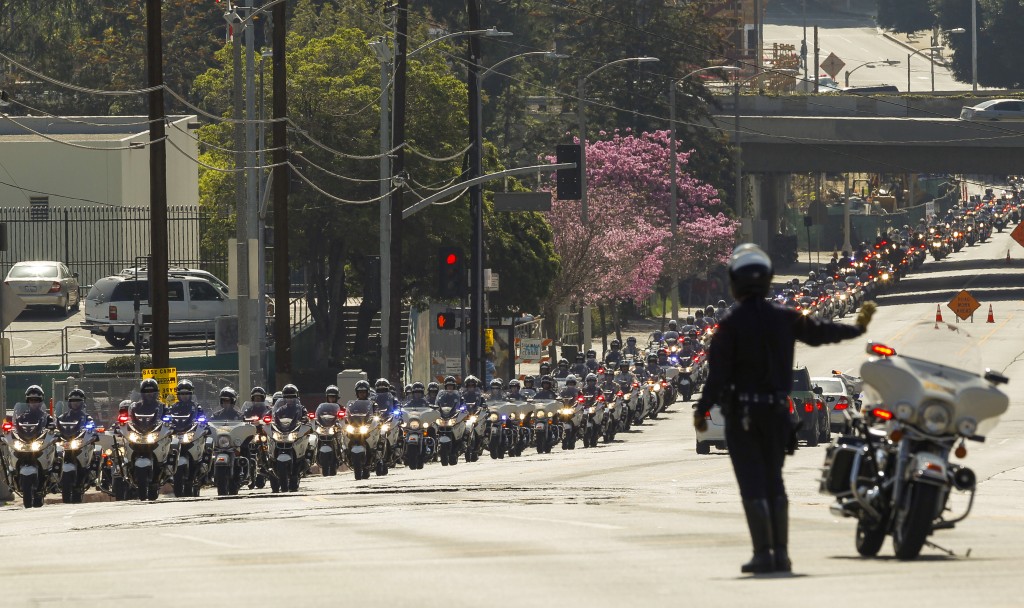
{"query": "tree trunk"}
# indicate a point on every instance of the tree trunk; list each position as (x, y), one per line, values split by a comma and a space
(549, 329)
(604, 330)
(617, 320)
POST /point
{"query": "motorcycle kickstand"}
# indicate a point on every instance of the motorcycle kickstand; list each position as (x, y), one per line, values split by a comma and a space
(941, 549)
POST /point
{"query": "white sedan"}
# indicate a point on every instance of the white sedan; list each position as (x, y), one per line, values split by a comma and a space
(994, 109)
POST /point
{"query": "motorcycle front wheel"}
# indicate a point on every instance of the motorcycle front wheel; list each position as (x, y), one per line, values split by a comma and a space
(910, 533)
(222, 479)
(67, 487)
(28, 490)
(869, 538)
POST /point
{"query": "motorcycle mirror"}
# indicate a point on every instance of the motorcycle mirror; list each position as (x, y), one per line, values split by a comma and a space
(818, 390)
(995, 377)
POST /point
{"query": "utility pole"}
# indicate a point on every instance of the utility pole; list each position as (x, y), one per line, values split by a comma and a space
(974, 46)
(157, 270)
(386, 54)
(252, 222)
(241, 205)
(817, 59)
(398, 198)
(282, 282)
(477, 363)
(673, 278)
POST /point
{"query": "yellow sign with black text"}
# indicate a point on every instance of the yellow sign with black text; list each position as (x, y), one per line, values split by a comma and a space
(167, 378)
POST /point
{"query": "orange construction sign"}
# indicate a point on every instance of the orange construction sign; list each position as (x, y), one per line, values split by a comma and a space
(1017, 235)
(963, 305)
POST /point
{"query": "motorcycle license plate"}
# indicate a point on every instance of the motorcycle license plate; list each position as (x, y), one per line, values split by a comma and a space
(414, 438)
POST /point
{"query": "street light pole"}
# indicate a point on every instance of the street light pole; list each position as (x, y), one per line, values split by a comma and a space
(974, 46)
(931, 49)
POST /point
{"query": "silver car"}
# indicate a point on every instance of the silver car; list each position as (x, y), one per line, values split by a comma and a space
(839, 402)
(994, 109)
(45, 284)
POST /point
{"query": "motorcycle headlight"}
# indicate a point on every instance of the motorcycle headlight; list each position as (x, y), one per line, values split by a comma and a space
(350, 429)
(592, 410)
(935, 418)
(885, 276)
(75, 444)
(493, 417)
(363, 429)
(414, 424)
(223, 442)
(541, 414)
(567, 411)
(471, 420)
(36, 445)
(185, 437)
(426, 425)
(278, 436)
(292, 436)
(440, 422)
(522, 416)
(134, 437)
(967, 427)
(151, 438)
(806, 312)
(904, 411)
(19, 446)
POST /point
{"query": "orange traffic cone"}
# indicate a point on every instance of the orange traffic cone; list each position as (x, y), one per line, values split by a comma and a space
(991, 319)
(938, 313)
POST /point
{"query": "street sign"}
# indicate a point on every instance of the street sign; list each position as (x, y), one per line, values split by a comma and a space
(522, 201)
(1017, 235)
(963, 305)
(452, 366)
(11, 305)
(529, 350)
(832, 65)
(167, 378)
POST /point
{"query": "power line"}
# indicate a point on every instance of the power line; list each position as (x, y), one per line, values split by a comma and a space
(141, 144)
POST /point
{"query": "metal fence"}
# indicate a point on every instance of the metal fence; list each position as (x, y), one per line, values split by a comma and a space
(97, 241)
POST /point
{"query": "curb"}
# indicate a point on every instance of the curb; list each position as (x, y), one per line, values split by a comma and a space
(908, 47)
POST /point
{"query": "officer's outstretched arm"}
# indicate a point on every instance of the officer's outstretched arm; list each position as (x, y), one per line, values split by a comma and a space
(816, 332)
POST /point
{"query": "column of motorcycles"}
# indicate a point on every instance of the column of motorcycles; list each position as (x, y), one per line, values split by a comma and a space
(277, 442)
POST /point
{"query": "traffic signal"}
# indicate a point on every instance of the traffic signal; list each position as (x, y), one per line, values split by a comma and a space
(569, 182)
(450, 273)
(447, 320)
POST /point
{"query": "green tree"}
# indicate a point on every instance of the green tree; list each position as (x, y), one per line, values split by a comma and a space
(905, 15)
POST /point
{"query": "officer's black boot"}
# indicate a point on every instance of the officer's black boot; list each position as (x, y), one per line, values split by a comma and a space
(780, 534)
(759, 520)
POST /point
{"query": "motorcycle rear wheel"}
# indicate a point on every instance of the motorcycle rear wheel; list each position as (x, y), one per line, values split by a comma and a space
(869, 539)
(142, 477)
(222, 479)
(909, 536)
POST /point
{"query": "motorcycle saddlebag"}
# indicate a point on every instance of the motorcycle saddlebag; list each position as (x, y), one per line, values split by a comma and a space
(835, 477)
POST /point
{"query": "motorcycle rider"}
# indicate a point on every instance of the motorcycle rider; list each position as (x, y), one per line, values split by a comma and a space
(76, 408)
(496, 393)
(580, 368)
(720, 309)
(384, 401)
(149, 399)
(699, 320)
(640, 370)
(570, 389)
(631, 349)
(362, 390)
(35, 414)
(563, 368)
(623, 376)
(332, 394)
(709, 316)
(432, 390)
(185, 405)
(751, 359)
(590, 387)
(289, 406)
(613, 356)
(673, 330)
(227, 410)
(450, 396)
(653, 370)
(591, 362)
(547, 389)
(417, 397)
(258, 405)
(514, 391)
(471, 392)
(545, 370)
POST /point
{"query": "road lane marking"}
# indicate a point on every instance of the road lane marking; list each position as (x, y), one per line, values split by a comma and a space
(198, 539)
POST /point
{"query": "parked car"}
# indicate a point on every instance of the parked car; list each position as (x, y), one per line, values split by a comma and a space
(994, 109)
(194, 303)
(714, 436)
(191, 272)
(45, 284)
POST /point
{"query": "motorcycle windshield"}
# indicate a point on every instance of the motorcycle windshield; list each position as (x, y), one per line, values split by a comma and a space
(941, 344)
(26, 431)
(361, 408)
(327, 413)
(69, 428)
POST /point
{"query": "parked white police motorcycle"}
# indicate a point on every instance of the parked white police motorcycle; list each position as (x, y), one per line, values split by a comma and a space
(924, 398)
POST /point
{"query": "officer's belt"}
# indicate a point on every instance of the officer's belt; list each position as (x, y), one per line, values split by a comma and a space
(747, 398)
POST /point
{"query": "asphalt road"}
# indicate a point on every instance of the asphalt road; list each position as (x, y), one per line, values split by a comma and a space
(640, 522)
(855, 40)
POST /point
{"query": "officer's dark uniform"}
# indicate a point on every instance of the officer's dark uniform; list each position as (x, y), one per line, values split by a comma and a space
(226, 413)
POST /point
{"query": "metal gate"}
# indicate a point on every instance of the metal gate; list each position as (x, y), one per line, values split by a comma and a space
(100, 241)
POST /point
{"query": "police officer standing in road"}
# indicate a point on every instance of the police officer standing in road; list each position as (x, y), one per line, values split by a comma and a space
(751, 361)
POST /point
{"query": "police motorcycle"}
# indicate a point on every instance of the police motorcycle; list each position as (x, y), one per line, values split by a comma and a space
(327, 421)
(142, 454)
(29, 455)
(547, 430)
(392, 438)
(572, 414)
(419, 425)
(290, 440)
(502, 427)
(191, 446)
(925, 398)
(258, 414)
(234, 455)
(77, 450)
(110, 476)
(596, 409)
(362, 441)
(451, 431)
(524, 420)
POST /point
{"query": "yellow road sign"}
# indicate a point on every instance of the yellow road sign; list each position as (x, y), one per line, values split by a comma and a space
(963, 305)
(488, 341)
(167, 378)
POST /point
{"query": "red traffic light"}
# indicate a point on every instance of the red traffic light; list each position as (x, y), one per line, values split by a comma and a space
(445, 321)
(452, 259)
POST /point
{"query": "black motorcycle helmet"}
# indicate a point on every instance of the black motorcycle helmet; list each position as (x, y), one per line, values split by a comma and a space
(750, 272)
(546, 382)
(290, 391)
(616, 345)
(721, 303)
(34, 394)
(563, 363)
(699, 314)
(382, 385)
(258, 394)
(570, 380)
(417, 387)
(471, 382)
(631, 340)
(690, 320)
(638, 364)
(527, 382)
(624, 365)
(591, 379)
(76, 399)
(579, 357)
(496, 383)
(545, 368)
(709, 311)
(362, 387)
(450, 383)
(673, 325)
(149, 386)
(332, 392)
(652, 358)
(591, 354)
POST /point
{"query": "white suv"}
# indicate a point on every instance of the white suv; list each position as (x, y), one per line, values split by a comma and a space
(194, 303)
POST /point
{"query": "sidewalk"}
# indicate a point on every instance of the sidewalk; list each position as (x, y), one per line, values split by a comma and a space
(920, 41)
